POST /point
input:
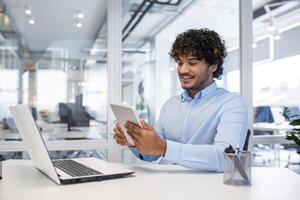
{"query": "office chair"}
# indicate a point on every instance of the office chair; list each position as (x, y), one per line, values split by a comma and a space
(291, 113)
(263, 114)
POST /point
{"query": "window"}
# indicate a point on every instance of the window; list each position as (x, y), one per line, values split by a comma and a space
(276, 81)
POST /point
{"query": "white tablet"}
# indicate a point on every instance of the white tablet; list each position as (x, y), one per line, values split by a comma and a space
(124, 114)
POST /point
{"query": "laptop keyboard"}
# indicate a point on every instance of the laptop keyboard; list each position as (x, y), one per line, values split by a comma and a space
(74, 168)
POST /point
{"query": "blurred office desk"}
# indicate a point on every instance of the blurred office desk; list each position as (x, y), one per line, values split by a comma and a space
(279, 133)
(276, 139)
(276, 128)
(60, 132)
(150, 182)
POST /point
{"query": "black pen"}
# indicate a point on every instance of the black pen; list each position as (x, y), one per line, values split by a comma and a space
(1, 159)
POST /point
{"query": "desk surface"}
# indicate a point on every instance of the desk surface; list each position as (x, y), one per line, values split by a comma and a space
(272, 127)
(170, 182)
(278, 136)
(59, 132)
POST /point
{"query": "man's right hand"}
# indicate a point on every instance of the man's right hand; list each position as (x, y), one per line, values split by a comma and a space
(119, 136)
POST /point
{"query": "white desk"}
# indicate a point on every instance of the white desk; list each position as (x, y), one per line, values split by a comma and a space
(59, 132)
(276, 138)
(276, 128)
(151, 182)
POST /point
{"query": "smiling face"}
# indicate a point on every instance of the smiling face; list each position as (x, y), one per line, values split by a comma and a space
(194, 74)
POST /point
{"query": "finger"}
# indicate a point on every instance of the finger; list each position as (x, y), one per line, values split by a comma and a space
(118, 126)
(120, 139)
(122, 143)
(133, 128)
(120, 134)
(132, 135)
(131, 124)
(145, 125)
(134, 138)
(118, 142)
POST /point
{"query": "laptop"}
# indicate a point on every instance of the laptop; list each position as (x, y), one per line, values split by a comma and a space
(62, 171)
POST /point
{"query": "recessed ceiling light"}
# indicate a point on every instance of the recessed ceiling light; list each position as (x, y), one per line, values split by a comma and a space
(277, 37)
(80, 15)
(78, 24)
(28, 11)
(254, 45)
(31, 21)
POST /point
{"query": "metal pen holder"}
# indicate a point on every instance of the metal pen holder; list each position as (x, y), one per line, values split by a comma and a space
(237, 168)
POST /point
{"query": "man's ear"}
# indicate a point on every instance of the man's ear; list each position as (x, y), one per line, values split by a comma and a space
(213, 68)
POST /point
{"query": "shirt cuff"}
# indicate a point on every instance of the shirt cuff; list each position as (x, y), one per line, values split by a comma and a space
(136, 153)
(173, 151)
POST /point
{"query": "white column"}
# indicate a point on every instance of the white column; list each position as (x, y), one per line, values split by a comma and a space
(114, 26)
(246, 16)
(32, 86)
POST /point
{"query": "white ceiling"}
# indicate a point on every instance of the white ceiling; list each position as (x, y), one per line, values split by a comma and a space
(55, 25)
(55, 22)
(221, 16)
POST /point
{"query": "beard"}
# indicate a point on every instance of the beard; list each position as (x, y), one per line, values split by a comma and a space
(199, 82)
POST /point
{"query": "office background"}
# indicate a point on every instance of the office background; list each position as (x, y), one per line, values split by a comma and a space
(69, 59)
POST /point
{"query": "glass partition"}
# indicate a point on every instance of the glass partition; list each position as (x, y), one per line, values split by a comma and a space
(149, 75)
(53, 57)
(276, 82)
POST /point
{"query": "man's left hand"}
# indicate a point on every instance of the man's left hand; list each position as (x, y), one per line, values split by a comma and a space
(146, 139)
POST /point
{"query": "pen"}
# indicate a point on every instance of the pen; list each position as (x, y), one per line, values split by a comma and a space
(1, 166)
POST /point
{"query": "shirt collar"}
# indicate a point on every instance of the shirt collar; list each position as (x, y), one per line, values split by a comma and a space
(186, 97)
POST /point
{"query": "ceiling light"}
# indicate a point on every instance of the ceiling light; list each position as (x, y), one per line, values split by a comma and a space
(80, 15)
(254, 45)
(31, 21)
(277, 37)
(28, 11)
(78, 24)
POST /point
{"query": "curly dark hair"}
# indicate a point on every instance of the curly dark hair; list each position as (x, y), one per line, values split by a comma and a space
(203, 44)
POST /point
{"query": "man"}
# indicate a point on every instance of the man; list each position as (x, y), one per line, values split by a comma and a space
(194, 128)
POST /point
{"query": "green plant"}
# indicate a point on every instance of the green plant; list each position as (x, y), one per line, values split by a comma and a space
(295, 135)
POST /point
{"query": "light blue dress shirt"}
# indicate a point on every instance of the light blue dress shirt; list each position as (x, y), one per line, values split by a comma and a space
(197, 130)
